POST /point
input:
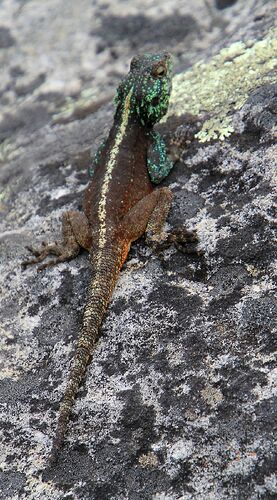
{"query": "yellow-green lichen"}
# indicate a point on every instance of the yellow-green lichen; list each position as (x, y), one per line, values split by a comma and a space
(2, 195)
(221, 86)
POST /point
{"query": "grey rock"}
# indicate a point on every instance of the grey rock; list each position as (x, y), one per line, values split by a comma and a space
(180, 398)
(6, 38)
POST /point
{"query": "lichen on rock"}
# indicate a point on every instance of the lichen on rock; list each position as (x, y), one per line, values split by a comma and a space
(216, 89)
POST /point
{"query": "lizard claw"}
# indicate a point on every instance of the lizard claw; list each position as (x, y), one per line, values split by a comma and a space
(184, 240)
(155, 240)
(41, 253)
(182, 236)
(63, 254)
(33, 250)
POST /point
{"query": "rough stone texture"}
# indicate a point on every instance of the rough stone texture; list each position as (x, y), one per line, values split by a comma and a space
(180, 399)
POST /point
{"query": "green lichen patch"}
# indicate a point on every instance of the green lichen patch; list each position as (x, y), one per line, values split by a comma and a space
(221, 86)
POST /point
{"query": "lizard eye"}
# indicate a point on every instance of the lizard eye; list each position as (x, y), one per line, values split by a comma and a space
(159, 71)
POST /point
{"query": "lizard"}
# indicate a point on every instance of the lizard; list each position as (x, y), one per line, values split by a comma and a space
(120, 205)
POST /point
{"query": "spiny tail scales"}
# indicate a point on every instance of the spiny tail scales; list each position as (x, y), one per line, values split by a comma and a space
(100, 290)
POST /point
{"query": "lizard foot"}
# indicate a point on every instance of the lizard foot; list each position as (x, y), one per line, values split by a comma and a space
(155, 241)
(76, 233)
(63, 253)
(182, 235)
(184, 241)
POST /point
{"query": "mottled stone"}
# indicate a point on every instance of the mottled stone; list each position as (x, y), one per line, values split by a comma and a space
(6, 38)
(223, 4)
(180, 398)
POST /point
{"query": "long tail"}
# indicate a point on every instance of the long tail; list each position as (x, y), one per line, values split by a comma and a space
(99, 293)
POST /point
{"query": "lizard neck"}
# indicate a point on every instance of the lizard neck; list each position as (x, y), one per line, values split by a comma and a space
(128, 109)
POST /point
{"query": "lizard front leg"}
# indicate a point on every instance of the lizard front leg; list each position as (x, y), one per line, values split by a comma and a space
(76, 233)
(158, 163)
(159, 166)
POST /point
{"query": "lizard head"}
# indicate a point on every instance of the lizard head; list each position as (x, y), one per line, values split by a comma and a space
(147, 86)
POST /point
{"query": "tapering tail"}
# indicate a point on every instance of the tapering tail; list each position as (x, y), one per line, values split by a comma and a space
(100, 289)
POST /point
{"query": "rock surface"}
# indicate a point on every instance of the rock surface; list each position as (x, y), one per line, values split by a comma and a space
(180, 399)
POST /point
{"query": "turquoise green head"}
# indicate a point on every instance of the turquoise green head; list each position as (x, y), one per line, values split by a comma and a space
(148, 86)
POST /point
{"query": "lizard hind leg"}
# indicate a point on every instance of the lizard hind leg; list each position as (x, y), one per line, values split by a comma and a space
(75, 232)
(154, 230)
(149, 216)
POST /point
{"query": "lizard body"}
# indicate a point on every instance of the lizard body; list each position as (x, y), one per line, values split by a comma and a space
(120, 205)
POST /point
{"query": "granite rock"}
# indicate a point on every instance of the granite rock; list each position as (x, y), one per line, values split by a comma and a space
(180, 398)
